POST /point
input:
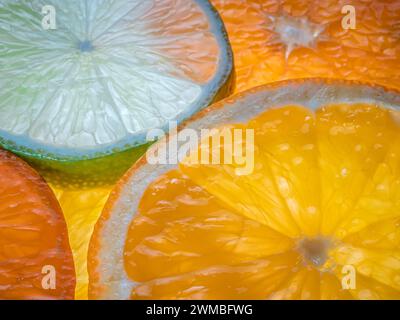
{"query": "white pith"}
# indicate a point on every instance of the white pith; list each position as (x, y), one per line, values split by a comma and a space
(58, 95)
(113, 281)
(295, 32)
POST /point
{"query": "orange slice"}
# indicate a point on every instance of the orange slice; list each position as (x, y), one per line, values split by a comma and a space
(35, 256)
(276, 40)
(317, 216)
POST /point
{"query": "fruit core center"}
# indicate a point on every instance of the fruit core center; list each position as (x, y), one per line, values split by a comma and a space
(85, 46)
(314, 250)
(296, 31)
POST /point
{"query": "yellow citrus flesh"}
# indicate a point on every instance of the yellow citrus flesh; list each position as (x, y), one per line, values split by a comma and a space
(81, 208)
(275, 40)
(324, 194)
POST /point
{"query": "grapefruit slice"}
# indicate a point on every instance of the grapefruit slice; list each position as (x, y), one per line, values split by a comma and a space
(277, 40)
(83, 80)
(35, 257)
(317, 217)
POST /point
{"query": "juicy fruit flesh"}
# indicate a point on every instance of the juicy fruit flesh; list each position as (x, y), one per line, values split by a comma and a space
(312, 42)
(108, 70)
(81, 208)
(324, 194)
(33, 235)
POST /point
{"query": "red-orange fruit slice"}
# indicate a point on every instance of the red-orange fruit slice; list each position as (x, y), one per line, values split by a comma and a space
(35, 256)
(286, 39)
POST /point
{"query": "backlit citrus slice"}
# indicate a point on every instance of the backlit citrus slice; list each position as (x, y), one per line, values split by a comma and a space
(285, 39)
(35, 256)
(316, 216)
(81, 80)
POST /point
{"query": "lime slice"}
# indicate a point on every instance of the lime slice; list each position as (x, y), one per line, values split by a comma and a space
(83, 80)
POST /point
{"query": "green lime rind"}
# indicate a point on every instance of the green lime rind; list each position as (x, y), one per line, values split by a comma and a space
(83, 174)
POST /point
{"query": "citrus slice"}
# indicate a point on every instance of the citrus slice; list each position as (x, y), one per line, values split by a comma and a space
(82, 80)
(315, 217)
(277, 40)
(35, 257)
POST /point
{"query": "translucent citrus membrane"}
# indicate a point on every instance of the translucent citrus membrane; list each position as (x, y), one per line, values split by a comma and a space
(275, 40)
(322, 181)
(33, 235)
(109, 69)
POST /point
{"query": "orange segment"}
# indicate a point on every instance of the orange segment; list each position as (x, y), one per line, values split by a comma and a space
(252, 280)
(176, 218)
(369, 289)
(331, 288)
(375, 253)
(286, 143)
(382, 235)
(310, 284)
(284, 159)
(353, 143)
(33, 235)
(380, 265)
(307, 211)
(380, 198)
(287, 39)
(246, 194)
